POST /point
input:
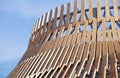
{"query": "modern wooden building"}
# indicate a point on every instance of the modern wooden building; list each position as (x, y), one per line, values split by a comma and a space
(79, 40)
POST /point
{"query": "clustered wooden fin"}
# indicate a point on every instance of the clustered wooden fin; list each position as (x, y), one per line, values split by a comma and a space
(89, 47)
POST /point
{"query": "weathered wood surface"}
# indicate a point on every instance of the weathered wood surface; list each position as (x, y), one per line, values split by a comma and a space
(75, 48)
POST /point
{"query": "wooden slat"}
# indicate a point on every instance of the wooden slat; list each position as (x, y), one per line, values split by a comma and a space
(117, 48)
(55, 18)
(113, 28)
(60, 62)
(39, 62)
(51, 61)
(61, 15)
(119, 34)
(35, 65)
(45, 22)
(98, 11)
(94, 30)
(68, 15)
(90, 11)
(54, 62)
(104, 63)
(41, 21)
(97, 59)
(19, 73)
(109, 35)
(22, 72)
(29, 68)
(75, 12)
(50, 20)
(43, 61)
(115, 9)
(82, 11)
(71, 61)
(84, 31)
(107, 11)
(57, 58)
(78, 59)
(78, 38)
(25, 62)
(65, 39)
(38, 25)
(84, 59)
(72, 58)
(65, 62)
(113, 62)
(112, 57)
(89, 63)
(88, 39)
(66, 59)
(48, 62)
(103, 30)
(66, 36)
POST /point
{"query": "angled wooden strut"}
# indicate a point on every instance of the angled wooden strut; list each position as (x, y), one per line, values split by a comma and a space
(63, 48)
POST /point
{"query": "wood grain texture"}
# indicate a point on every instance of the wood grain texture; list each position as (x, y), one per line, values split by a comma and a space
(63, 48)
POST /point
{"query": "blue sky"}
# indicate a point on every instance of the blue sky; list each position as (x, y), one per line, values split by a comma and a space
(17, 18)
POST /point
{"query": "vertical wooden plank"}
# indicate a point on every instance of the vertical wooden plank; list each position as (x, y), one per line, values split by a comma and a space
(38, 26)
(99, 35)
(71, 62)
(45, 22)
(61, 15)
(53, 62)
(103, 30)
(41, 21)
(117, 48)
(98, 11)
(84, 59)
(50, 20)
(113, 61)
(90, 11)
(75, 12)
(107, 11)
(97, 59)
(82, 11)
(41, 28)
(113, 28)
(68, 15)
(78, 38)
(90, 61)
(33, 29)
(55, 19)
(104, 62)
(115, 9)
(119, 34)
(75, 34)
(94, 26)
(84, 31)
(88, 39)
(109, 35)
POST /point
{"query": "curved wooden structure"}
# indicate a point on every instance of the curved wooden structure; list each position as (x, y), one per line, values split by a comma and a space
(77, 44)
